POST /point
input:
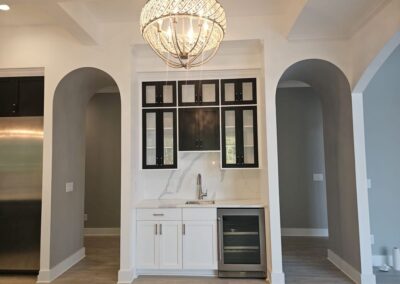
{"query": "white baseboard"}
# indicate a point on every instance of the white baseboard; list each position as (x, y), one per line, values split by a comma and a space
(126, 276)
(91, 232)
(178, 272)
(379, 260)
(346, 268)
(47, 276)
(276, 278)
(304, 232)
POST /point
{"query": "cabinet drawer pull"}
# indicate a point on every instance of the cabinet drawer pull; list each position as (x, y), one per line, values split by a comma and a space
(183, 229)
(156, 229)
(160, 229)
(158, 214)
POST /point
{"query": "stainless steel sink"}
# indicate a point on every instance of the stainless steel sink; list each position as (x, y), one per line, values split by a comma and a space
(200, 202)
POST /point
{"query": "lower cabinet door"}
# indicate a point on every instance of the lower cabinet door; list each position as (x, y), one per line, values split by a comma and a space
(147, 245)
(200, 245)
(170, 234)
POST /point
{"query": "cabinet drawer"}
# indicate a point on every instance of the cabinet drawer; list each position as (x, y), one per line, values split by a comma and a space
(200, 214)
(162, 214)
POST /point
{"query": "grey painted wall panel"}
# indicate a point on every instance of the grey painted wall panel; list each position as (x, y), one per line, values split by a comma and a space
(103, 162)
(301, 154)
(382, 133)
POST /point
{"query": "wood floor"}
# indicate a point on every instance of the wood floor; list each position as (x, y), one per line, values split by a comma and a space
(304, 263)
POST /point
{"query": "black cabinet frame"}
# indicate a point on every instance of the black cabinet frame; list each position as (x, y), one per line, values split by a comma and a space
(159, 85)
(239, 137)
(198, 89)
(159, 139)
(239, 91)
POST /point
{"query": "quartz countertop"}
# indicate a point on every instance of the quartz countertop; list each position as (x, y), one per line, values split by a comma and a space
(169, 203)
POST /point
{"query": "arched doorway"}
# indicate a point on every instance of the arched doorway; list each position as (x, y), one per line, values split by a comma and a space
(332, 88)
(70, 165)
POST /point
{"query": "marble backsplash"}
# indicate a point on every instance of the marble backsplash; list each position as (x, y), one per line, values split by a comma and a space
(181, 184)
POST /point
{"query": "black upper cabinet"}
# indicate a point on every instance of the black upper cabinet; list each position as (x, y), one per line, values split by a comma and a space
(159, 94)
(31, 96)
(198, 93)
(199, 129)
(22, 96)
(159, 139)
(239, 137)
(239, 91)
(8, 96)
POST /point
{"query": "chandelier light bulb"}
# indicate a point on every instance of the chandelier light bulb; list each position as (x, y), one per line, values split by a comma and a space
(184, 33)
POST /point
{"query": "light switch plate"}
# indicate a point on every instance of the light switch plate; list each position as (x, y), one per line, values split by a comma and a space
(69, 187)
(318, 177)
(372, 239)
(85, 217)
(369, 183)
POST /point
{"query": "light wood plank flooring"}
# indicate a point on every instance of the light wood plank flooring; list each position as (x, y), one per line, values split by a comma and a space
(304, 263)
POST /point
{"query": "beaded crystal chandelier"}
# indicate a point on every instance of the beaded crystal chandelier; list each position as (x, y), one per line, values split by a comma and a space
(184, 33)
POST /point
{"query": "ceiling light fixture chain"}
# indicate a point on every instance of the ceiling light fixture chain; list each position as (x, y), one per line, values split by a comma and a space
(183, 33)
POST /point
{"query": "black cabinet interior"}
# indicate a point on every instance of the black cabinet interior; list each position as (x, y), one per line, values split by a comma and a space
(21, 96)
(159, 94)
(199, 129)
(240, 147)
(203, 93)
(238, 94)
(165, 156)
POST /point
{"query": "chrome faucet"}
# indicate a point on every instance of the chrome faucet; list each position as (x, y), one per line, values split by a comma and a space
(200, 193)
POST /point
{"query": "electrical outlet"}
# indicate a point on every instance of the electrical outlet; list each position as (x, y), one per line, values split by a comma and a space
(369, 183)
(69, 187)
(372, 239)
(85, 217)
(318, 177)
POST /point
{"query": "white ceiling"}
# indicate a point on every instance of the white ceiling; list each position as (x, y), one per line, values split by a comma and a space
(318, 19)
(26, 13)
(333, 19)
(129, 10)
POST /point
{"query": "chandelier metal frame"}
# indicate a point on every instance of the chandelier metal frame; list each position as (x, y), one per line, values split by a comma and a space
(174, 47)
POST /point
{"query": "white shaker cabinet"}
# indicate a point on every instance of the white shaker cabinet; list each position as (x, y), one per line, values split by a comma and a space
(199, 238)
(200, 245)
(177, 240)
(147, 245)
(170, 236)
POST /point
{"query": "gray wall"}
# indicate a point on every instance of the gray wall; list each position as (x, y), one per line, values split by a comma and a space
(333, 88)
(382, 133)
(301, 154)
(70, 101)
(103, 162)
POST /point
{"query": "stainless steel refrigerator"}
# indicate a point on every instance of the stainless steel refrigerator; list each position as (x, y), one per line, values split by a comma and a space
(21, 148)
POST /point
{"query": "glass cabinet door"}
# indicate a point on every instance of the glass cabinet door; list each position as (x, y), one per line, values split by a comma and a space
(169, 147)
(149, 148)
(230, 137)
(159, 94)
(159, 138)
(239, 91)
(239, 137)
(188, 93)
(198, 93)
